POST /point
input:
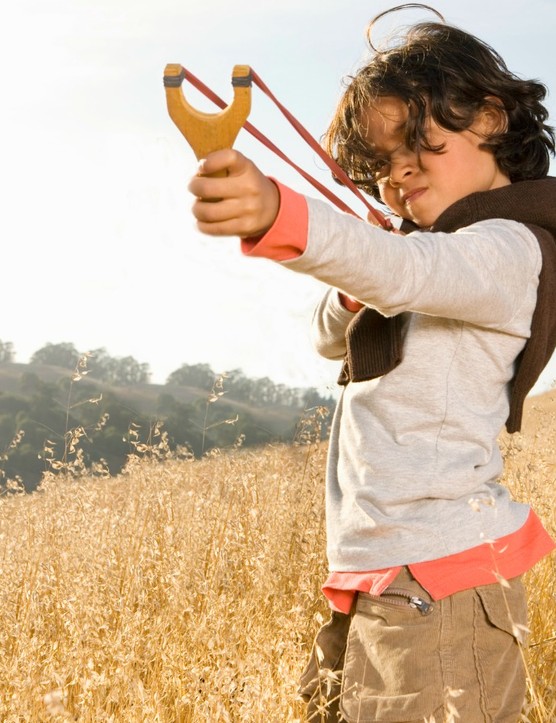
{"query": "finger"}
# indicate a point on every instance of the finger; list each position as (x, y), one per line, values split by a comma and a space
(225, 162)
(226, 218)
(212, 217)
(209, 187)
(209, 212)
(228, 226)
(222, 228)
(225, 165)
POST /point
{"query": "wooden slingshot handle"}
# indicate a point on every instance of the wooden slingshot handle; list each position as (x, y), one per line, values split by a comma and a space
(206, 132)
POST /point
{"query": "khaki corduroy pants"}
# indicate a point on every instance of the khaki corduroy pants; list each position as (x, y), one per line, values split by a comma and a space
(458, 661)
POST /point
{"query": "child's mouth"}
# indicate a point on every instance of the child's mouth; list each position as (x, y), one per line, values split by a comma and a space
(411, 196)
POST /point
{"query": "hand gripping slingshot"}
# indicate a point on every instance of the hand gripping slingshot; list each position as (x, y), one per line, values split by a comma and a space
(206, 132)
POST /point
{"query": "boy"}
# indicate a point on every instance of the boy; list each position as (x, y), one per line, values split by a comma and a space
(443, 332)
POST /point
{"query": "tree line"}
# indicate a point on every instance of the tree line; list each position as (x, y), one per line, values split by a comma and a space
(84, 419)
(126, 371)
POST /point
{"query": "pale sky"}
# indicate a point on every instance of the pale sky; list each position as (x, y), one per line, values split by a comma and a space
(100, 245)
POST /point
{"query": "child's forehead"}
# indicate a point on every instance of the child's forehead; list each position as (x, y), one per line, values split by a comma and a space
(384, 122)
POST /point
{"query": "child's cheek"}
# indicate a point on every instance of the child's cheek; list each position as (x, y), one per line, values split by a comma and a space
(389, 197)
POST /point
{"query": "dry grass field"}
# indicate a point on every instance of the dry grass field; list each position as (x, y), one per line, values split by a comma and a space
(186, 591)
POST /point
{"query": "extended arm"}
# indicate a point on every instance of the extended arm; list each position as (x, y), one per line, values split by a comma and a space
(479, 274)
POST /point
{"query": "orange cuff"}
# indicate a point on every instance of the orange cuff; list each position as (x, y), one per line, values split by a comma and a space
(350, 304)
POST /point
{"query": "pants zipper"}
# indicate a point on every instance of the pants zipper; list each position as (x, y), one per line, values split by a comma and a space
(414, 601)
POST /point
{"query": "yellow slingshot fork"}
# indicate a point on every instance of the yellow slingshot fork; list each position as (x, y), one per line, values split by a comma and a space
(206, 132)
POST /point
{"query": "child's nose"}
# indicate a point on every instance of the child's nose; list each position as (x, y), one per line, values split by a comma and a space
(401, 168)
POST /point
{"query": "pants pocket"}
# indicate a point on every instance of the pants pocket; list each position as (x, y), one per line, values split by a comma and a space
(500, 627)
(320, 681)
(392, 670)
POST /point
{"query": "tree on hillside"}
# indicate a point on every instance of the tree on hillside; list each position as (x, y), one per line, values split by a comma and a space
(126, 371)
(120, 372)
(100, 364)
(312, 398)
(237, 385)
(7, 353)
(103, 367)
(200, 376)
(63, 354)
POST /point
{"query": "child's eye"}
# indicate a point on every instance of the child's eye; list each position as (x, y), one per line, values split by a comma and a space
(380, 169)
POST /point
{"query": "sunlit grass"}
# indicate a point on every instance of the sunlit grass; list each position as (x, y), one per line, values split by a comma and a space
(190, 590)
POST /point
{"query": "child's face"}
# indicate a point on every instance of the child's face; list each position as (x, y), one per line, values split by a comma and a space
(420, 188)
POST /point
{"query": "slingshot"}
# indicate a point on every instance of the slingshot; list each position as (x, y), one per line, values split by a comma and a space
(206, 132)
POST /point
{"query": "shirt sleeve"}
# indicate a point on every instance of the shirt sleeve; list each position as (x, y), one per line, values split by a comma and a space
(287, 238)
(484, 274)
(328, 328)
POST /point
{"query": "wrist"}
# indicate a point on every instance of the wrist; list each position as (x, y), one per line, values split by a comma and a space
(271, 206)
(286, 238)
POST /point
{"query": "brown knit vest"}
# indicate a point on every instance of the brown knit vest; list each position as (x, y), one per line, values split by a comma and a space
(374, 343)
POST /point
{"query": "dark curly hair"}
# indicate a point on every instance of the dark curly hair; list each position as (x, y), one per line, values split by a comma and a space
(442, 72)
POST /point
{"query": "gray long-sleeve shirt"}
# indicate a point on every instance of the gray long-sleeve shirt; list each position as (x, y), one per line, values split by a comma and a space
(413, 459)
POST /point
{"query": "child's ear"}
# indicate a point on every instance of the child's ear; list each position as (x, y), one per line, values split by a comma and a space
(492, 119)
